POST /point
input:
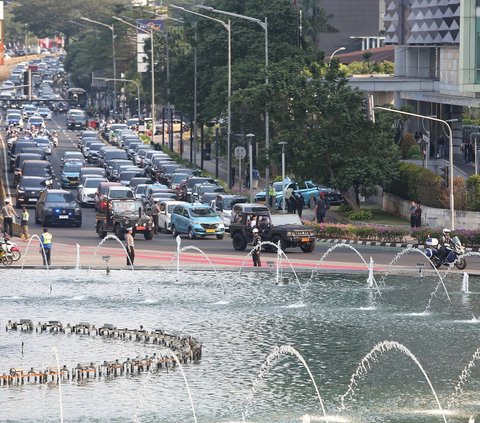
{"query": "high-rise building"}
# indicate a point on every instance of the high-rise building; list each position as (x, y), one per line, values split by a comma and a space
(359, 24)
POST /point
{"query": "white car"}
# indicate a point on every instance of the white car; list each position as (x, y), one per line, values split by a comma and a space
(45, 113)
(86, 192)
(35, 122)
(165, 216)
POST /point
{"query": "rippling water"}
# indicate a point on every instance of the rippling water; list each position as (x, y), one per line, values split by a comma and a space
(333, 327)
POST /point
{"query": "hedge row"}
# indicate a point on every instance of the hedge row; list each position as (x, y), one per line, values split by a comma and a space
(360, 233)
(468, 238)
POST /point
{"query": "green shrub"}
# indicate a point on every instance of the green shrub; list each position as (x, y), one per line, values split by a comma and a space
(414, 153)
(473, 192)
(361, 233)
(359, 215)
(344, 208)
(416, 183)
(408, 141)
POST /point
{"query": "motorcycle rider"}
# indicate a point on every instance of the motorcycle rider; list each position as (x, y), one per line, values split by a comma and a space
(446, 242)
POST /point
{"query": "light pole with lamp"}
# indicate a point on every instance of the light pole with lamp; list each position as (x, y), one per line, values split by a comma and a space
(111, 28)
(152, 65)
(250, 138)
(124, 80)
(264, 25)
(283, 144)
(227, 25)
(334, 53)
(450, 153)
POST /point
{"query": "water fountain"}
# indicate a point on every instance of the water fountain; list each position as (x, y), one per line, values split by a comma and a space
(115, 238)
(32, 237)
(465, 283)
(331, 331)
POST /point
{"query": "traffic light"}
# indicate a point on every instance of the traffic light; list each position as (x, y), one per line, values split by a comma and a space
(445, 174)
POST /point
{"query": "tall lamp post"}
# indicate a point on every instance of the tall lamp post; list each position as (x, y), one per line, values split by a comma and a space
(250, 138)
(334, 53)
(152, 65)
(264, 25)
(227, 25)
(111, 28)
(450, 153)
(283, 144)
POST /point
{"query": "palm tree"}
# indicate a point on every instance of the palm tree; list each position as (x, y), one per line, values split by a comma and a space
(314, 22)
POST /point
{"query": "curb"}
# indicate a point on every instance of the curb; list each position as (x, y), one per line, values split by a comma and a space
(381, 244)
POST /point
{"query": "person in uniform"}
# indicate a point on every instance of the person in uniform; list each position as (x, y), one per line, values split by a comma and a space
(8, 213)
(130, 246)
(24, 223)
(257, 240)
(46, 247)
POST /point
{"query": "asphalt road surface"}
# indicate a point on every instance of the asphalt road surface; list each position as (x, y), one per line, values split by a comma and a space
(87, 237)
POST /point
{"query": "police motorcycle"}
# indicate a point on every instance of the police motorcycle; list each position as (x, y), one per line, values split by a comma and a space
(10, 248)
(55, 139)
(455, 251)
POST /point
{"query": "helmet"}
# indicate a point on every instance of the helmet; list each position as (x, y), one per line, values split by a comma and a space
(255, 231)
(446, 231)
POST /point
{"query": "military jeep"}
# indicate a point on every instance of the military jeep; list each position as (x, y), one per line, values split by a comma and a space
(285, 228)
(121, 215)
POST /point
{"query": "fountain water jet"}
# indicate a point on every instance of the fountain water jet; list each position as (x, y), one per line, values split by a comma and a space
(465, 283)
(277, 352)
(167, 352)
(371, 357)
(59, 376)
(110, 236)
(32, 237)
(281, 253)
(463, 379)
(331, 249)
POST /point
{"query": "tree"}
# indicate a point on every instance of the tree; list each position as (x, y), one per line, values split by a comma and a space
(324, 122)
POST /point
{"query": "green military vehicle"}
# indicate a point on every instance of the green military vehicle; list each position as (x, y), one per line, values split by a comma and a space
(121, 215)
(284, 228)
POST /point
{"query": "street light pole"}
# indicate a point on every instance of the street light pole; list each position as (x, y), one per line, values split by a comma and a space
(283, 144)
(250, 137)
(227, 25)
(111, 28)
(450, 138)
(264, 25)
(152, 65)
(334, 53)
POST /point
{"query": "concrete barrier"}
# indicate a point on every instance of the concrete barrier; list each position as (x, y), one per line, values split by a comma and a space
(431, 216)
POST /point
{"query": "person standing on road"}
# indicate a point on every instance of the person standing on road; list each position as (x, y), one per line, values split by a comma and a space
(46, 246)
(321, 208)
(130, 247)
(288, 199)
(24, 223)
(300, 203)
(155, 212)
(257, 241)
(8, 213)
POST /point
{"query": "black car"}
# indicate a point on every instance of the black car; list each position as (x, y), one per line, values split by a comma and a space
(58, 206)
(28, 190)
(19, 160)
(39, 168)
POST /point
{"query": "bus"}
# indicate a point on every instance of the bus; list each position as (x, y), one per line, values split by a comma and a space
(77, 98)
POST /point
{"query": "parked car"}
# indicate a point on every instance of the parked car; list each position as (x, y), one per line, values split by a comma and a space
(165, 216)
(28, 190)
(57, 206)
(196, 220)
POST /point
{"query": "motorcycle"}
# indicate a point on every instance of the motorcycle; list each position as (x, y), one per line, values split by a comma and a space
(454, 253)
(55, 139)
(10, 249)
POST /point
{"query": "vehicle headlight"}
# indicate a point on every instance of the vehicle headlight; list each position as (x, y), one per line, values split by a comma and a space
(21, 191)
(221, 226)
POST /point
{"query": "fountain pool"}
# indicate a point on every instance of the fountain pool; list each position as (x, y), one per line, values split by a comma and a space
(330, 323)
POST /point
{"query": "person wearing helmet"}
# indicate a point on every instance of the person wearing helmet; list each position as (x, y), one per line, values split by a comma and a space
(257, 241)
(446, 241)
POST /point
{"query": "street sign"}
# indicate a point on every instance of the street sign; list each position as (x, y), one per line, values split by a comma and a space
(240, 152)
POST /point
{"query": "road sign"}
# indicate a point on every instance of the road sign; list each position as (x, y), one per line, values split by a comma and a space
(240, 152)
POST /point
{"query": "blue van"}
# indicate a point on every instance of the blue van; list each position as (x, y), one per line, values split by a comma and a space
(196, 220)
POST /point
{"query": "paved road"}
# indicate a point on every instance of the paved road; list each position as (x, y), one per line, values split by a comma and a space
(159, 251)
